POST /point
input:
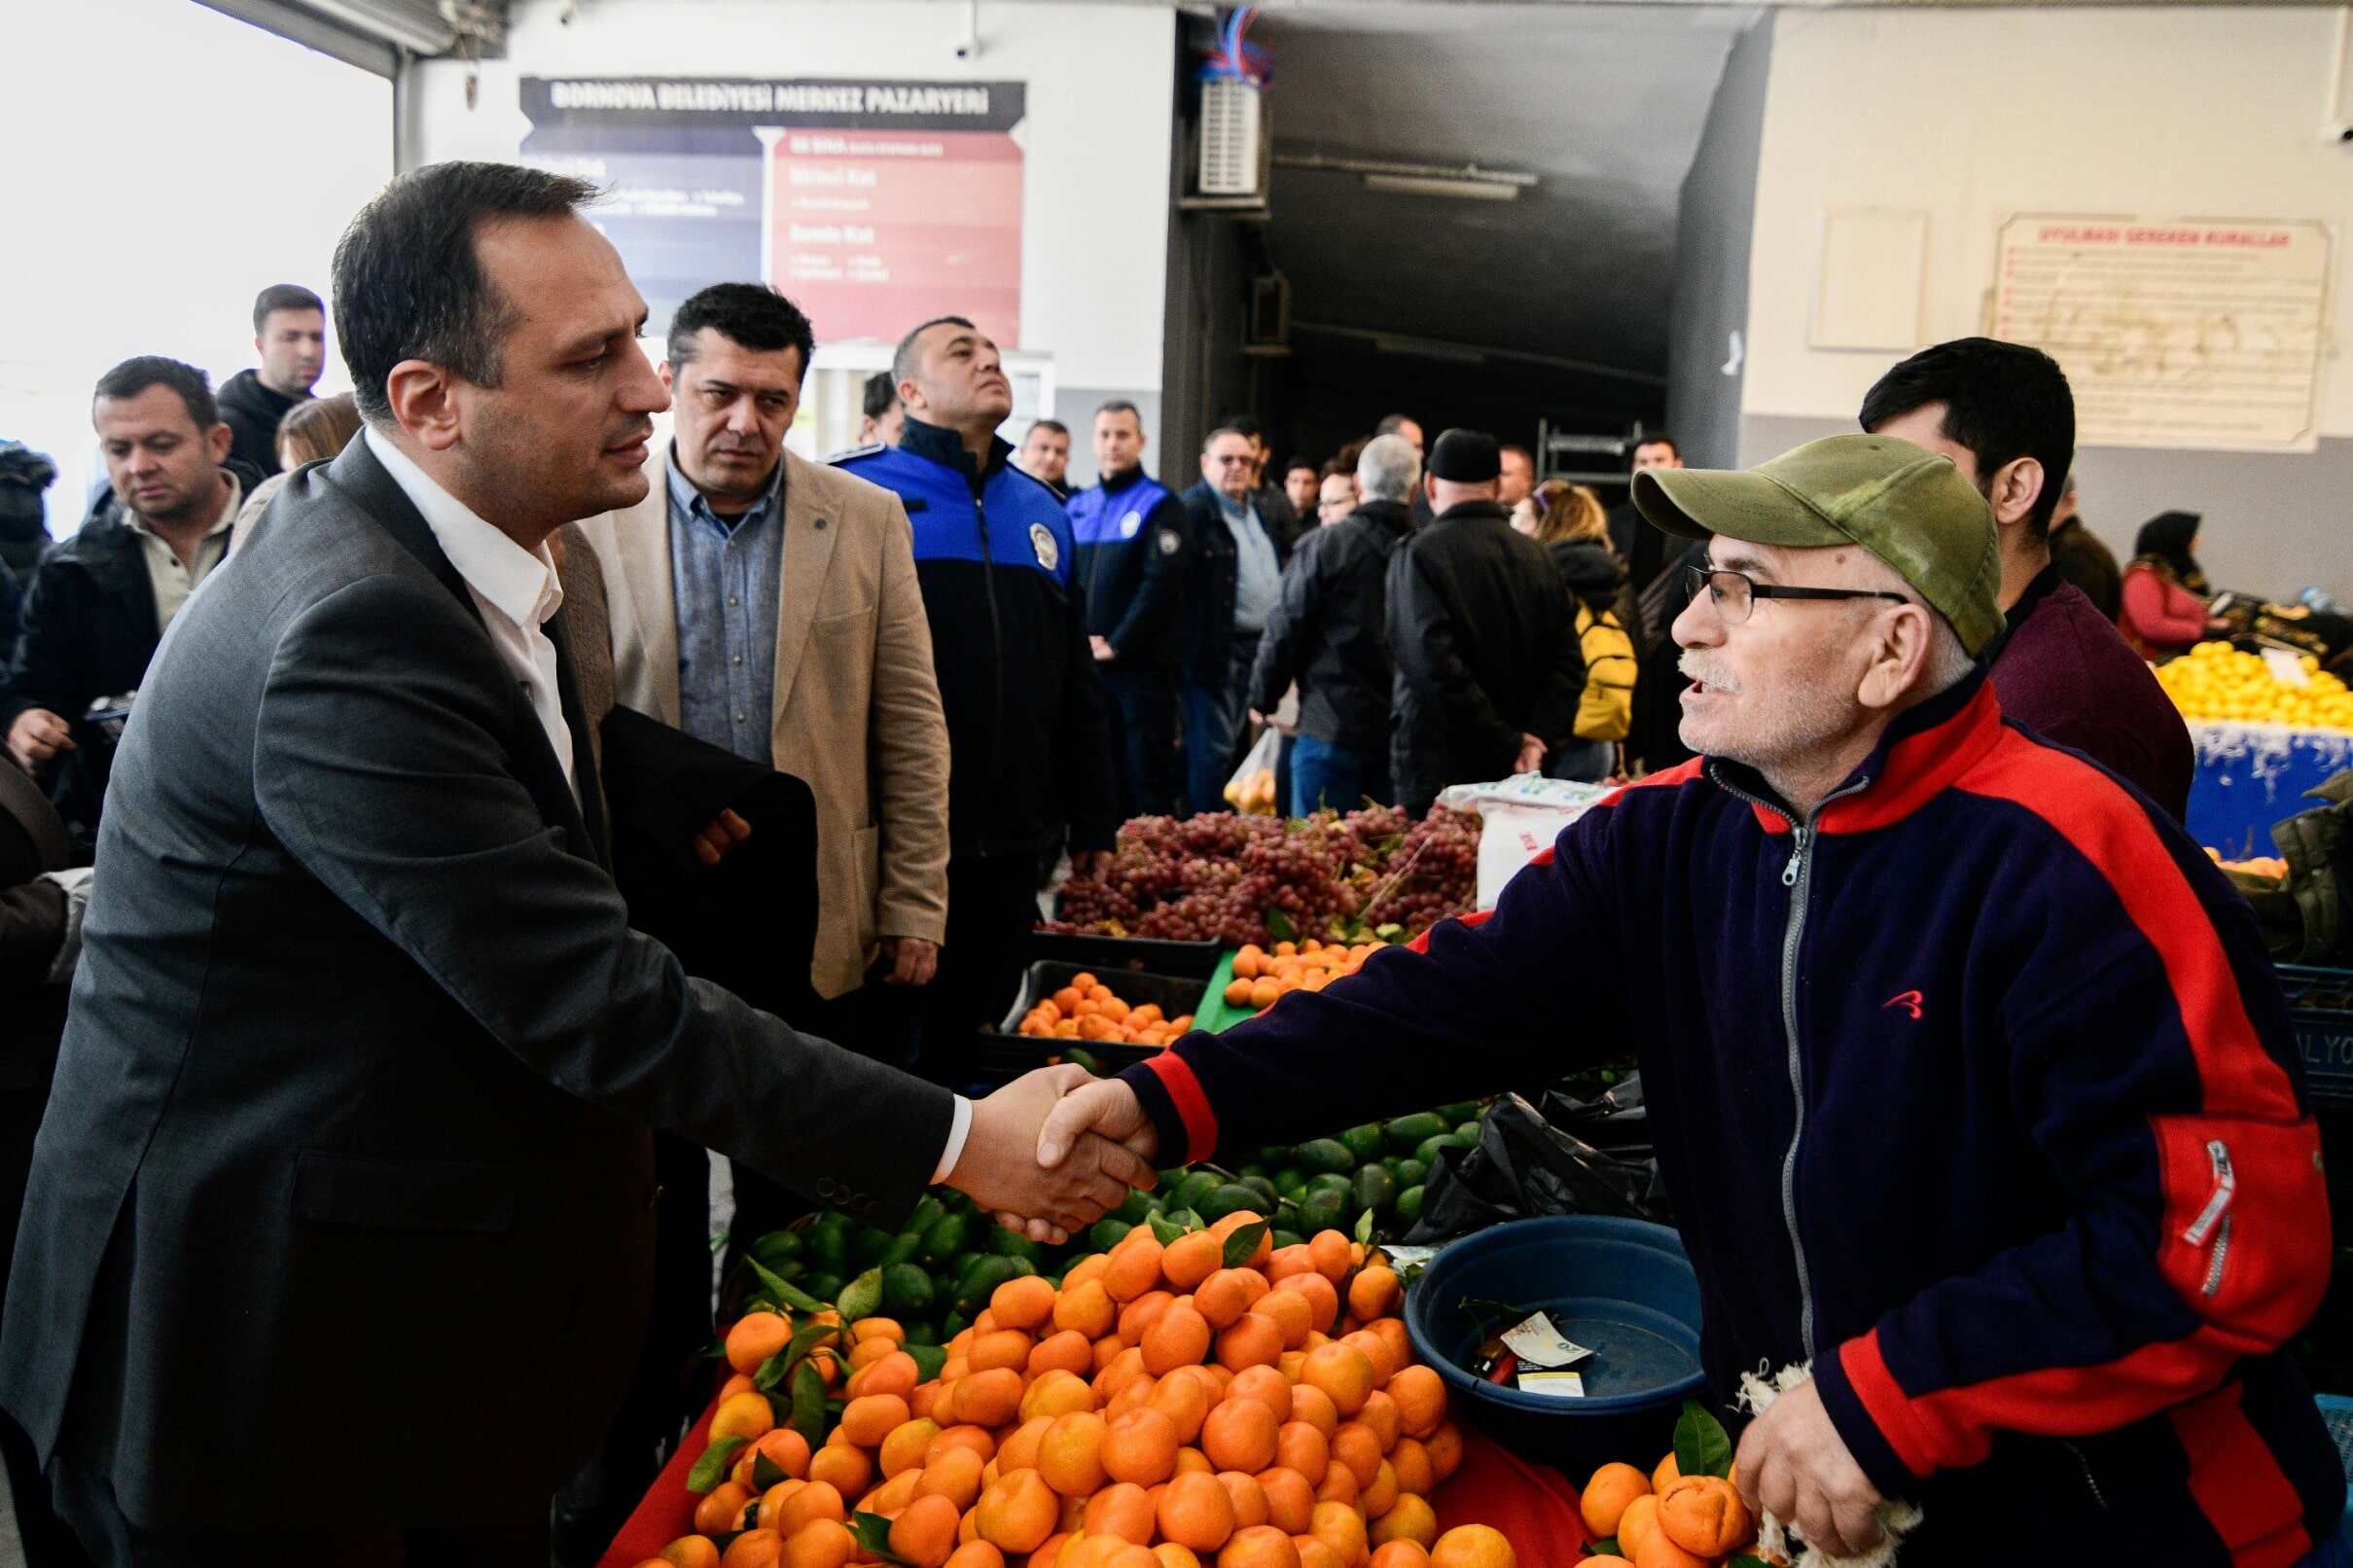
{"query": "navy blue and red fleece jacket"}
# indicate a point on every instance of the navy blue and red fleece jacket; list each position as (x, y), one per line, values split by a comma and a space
(1976, 1091)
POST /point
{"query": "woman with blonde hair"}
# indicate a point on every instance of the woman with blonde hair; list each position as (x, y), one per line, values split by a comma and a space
(312, 431)
(1568, 519)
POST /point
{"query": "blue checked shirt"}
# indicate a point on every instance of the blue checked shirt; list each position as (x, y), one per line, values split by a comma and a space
(724, 577)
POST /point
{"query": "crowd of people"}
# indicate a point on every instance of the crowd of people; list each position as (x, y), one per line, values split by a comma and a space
(457, 758)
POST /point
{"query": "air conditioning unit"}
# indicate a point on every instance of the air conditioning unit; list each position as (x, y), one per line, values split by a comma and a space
(1233, 139)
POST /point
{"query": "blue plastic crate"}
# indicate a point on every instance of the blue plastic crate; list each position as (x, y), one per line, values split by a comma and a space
(2320, 1004)
(2337, 1412)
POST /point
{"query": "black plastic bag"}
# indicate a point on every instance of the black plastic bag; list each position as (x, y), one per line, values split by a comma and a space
(1527, 1165)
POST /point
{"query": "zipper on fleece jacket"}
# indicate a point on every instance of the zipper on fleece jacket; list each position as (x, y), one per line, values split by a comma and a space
(996, 642)
(1797, 876)
(2215, 1218)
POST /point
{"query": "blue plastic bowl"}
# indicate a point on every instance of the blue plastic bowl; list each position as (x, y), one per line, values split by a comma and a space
(1623, 1288)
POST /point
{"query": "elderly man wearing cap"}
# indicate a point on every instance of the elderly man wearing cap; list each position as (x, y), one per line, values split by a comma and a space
(1484, 633)
(1970, 1082)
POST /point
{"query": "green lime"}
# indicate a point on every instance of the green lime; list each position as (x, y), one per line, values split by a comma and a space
(829, 1248)
(904, 1248)
(1408, 1130)
(1194, 1188)
(1288, 1239)
(907, 1291)
(1363, 1141)
(1229, 1199)
(868, 1245)
(1326, 1156)
(947, 1237)
(1409, 1207)
(825, 1286)
(1375, 1190)
(1410, 1172)
(1322, 1211)
(974, 1290)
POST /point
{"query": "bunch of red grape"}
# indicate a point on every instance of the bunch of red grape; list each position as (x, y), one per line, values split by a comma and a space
(1233, 878)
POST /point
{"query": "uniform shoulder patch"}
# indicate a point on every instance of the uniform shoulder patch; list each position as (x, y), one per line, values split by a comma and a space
(1049, 550)
(854, 452)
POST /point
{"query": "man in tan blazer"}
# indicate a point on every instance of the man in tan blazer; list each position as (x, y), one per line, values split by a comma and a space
(843, 658)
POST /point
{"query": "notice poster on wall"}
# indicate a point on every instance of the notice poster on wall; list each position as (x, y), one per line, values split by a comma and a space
(874, 205)
(2189, 332)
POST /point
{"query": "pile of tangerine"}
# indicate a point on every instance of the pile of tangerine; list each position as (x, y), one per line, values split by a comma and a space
(1260, 979)
(1087, 1009)
(1164, 1409)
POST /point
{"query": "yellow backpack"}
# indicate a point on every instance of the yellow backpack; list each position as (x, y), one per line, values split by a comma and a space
(1606, 711)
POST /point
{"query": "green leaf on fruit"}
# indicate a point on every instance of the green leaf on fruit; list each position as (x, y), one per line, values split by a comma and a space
(1364, 1227)
(712, 1467)
(1701, 1448)
(808, 1405)
(929, 1359)
(766, 1472)
(1165, 1230)
(782, 1289)
(1243, 1243)
(1606, 1546)
(780, 1366)
(1745, 1560)
(861, 1298)
(1279, 926)
(873, 1535)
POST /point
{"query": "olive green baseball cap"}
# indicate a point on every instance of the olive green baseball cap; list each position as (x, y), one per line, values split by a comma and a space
(1904, 504)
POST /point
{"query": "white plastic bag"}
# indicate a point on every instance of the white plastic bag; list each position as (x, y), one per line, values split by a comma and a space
(1251, 790)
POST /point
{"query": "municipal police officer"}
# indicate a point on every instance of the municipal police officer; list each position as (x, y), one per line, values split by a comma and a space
(1131, 533)
(1029, 753)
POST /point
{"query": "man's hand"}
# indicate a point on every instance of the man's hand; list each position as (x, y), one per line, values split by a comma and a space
(1794, 1466)
(1099, 1108)
(999, 1168)
(725, 832)
(1102, 647)
(37, 736)
(913, 960)
(1091, 862)
(1531, 754)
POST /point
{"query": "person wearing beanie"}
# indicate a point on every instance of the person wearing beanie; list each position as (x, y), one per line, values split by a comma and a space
(1975, 1094)
(1483, 630)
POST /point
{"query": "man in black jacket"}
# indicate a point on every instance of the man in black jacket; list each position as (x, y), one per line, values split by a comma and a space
(289, 332)
(1483, 632)
(1234, 582)
(100, 599)
(1130, 531)
(2080, 558)
(1329, 632)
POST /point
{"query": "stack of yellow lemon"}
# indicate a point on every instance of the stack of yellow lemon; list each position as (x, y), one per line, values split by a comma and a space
(2215, 681)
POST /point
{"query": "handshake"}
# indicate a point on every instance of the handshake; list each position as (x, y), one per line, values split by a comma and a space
(1054, 1151)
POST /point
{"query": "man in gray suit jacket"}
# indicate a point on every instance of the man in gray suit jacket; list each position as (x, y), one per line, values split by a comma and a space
(335, 1240)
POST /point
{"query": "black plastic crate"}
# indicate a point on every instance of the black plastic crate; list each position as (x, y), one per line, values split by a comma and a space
(2320, 1005)
(1004, 1054)
(1188, 960)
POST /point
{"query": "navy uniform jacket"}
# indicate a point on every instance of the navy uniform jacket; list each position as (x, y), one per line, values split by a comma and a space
(1028, 744)
(1131, 532)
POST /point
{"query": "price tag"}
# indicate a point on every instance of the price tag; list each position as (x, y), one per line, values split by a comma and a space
(1552, 1384)
(1537, 1343)
(2286, 667)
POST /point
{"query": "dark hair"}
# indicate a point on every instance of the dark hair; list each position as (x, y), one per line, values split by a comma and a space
(135, 375)
(1335, 468)
(408, 281)
(1210, 440)
(903, 358)
(752, 315)
(283, 296)
(1054, 425)
(1514, 446)
(1657, 437)
(1346, 458)
(1120, 406)
(880, 393)
(2002, 401)
(1299, 462)
(2166, 538)
(1244, 425)
(1391, 423)
(320, 427)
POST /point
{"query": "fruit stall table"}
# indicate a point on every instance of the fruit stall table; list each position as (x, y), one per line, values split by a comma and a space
(2252, 776)
(1532, 1506)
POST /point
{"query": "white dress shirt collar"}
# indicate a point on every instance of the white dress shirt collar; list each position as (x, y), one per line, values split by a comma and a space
(521, 583)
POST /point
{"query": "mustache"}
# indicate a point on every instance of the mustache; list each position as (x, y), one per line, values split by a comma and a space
(1696, 666)
(636, 433)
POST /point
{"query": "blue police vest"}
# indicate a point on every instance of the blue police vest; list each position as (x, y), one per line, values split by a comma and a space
(1099, 517)
(1025, 525)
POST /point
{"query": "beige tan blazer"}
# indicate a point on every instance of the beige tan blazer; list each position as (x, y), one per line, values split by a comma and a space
(858, 715)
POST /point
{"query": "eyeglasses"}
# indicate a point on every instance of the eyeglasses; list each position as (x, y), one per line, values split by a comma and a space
(1733, 594)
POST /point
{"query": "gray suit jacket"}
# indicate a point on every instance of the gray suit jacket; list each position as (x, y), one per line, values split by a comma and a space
(340, 1211)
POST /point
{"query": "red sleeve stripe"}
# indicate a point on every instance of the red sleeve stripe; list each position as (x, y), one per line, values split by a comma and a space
(1192, 1105)
(1890, 1412)
(2238, 1484)
(2111, 830)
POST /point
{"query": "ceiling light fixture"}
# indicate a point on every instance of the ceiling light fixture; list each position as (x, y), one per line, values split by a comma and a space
(1463, 181)
(1442, 185)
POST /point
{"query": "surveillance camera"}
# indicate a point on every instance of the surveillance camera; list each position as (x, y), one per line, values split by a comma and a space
(964, 51)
